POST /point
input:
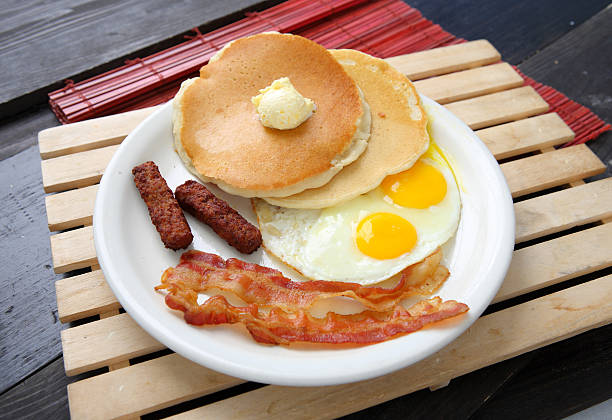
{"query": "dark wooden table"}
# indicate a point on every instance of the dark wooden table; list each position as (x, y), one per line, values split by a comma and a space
(566, 44)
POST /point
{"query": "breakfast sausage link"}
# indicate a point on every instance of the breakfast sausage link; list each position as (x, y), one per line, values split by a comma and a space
(165, 212)
(216, 213)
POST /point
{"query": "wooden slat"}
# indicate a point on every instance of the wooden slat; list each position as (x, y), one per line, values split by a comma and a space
(470, 83)
(445, 59)
(573, 261)
(563, 209)
(527, 135)
(83, 296)
(91, 134)
(105, 342)
(547, 170)
(493, 338)
(175, 379)
(73, 250)
(124, 363)
(76, 170)
(555, 261)
(71, 208)
(498, 108)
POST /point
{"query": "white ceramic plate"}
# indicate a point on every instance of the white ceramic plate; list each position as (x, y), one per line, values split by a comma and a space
(133, 258)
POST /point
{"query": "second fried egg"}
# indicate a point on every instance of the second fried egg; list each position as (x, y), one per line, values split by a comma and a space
(374, 236)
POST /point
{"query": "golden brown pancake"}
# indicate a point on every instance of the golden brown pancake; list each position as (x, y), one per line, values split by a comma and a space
(398, 137)
(220, 138)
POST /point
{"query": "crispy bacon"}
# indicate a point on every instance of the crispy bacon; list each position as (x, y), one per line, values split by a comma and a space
(280, 327)
(198, 272)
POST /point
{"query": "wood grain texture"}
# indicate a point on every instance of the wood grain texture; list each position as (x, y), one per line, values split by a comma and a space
(535, 379)
(71, 208)
(76, 170)
(73, 250)
(498, 108)
(83, 296)
(483, 385)
(29, 327)
(558, 260)
(42, 42)
(42, 395)
(470, 83)
(445, 60)
(115, 339)
(493, 338)
(563, 209)
(580, 365)
(90, 134)
(177, 380)
(526, 135)
(20, 132)
(575, 66)
(519, 30)
(539, 172)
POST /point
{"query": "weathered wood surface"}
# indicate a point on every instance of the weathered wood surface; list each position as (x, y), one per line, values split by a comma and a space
(29, 325)
(565, 365)
(517, 29)
(43, 43)
(577, 66)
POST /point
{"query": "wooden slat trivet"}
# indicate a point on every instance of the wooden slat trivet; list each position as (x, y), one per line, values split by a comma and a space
(508, 117)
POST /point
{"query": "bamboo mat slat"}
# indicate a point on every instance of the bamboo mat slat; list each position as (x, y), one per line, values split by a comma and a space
(510, 118)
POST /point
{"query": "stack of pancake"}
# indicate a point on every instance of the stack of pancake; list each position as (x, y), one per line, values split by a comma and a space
(368, 124)
(325, 160)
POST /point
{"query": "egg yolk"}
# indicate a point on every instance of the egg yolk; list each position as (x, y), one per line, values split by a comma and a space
(419, 187)
(385, 235)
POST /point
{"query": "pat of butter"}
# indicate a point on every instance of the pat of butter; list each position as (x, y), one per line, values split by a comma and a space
(281, 106)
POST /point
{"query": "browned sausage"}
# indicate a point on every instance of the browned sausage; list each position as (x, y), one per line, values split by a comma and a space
(165, 212)
(216, 213)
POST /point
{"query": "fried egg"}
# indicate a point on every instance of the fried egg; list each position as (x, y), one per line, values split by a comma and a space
(372, 237)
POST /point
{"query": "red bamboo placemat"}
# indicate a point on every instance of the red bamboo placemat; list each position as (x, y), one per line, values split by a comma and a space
(382, 28)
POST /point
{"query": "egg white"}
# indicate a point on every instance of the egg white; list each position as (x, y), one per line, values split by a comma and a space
(320, 244)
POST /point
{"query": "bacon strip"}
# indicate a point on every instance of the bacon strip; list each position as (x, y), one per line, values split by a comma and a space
(280, 327)
(198, 271)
